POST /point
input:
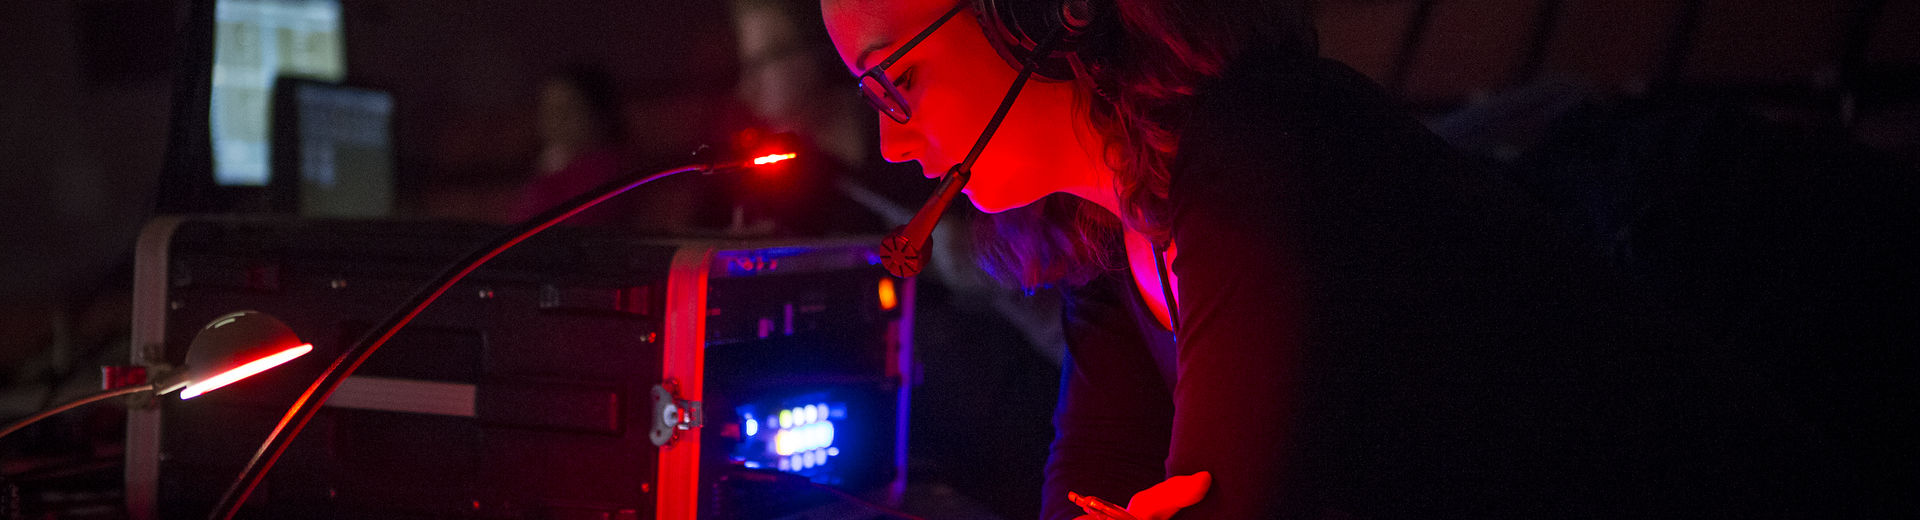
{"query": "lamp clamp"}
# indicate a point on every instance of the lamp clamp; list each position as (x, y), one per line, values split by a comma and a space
(672, 415)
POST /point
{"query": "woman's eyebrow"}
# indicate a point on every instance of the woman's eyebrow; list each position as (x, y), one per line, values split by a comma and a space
(867, 52)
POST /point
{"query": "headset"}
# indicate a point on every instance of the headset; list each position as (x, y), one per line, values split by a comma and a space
(1015, 28)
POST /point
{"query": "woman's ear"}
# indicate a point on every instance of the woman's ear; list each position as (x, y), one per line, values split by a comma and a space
(1016, 27)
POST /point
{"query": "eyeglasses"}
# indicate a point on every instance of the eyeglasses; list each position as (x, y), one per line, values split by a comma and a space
(878, 88)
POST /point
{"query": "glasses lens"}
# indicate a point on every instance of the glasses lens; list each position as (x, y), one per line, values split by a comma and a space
(881, 94)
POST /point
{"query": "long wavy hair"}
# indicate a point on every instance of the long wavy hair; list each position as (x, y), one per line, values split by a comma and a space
(1134, 81)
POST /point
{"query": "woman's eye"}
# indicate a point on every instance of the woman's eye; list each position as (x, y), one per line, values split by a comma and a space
(905, 79)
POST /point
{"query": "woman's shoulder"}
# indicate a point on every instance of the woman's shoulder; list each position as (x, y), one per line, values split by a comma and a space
(1275, 118)
(1293, 93)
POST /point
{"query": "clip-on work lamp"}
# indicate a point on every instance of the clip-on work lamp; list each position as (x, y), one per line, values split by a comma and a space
(232, 347)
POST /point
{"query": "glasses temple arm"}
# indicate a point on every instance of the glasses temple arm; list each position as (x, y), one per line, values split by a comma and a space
(924, 33)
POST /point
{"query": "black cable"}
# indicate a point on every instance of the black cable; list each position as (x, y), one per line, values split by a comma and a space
(30, 419)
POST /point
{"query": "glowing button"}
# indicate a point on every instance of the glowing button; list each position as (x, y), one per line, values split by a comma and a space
(786, 419)
(888, 299)
(803, 438)
(811, 413)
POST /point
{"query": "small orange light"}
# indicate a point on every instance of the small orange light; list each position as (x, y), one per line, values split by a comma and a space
(771, 158)
(888, 299)
(243, 371)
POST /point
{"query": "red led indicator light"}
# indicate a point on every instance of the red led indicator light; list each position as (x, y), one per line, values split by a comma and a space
(888, 298)
(771, 158)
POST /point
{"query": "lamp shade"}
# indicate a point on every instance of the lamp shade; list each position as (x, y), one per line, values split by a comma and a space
(235, 346)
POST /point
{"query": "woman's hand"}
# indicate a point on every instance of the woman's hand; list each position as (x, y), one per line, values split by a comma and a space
(1159, 502)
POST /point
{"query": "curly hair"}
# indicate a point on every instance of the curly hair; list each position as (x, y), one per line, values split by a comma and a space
(1134, 80)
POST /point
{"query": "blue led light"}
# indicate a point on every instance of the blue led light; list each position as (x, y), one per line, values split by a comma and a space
(796, 434)
(803, 438)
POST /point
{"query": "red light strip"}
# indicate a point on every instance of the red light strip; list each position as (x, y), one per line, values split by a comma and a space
(244, 371)
(771, 158)
(684, 362)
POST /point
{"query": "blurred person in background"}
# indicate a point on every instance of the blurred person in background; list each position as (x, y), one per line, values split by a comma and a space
(582, 133)
(787, 83)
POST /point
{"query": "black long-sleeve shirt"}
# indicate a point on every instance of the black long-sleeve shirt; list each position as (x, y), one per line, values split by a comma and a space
(1371, 329)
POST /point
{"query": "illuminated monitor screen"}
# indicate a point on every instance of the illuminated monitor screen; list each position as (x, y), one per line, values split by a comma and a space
(256, 41)
(333, 150)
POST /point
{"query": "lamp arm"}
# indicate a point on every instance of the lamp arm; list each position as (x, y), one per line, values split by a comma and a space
(76, 403)
(308, 403)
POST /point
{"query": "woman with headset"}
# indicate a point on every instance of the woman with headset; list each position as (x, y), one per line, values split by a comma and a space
(1282, 294)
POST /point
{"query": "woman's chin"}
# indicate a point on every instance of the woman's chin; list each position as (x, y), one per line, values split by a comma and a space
(994, 204)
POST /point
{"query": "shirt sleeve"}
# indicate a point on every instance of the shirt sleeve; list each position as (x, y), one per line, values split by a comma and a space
(1306, 219)
(1112, 421)
(1241, 336)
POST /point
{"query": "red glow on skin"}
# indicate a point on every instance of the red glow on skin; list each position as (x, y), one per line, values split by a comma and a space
(771, 158)
(954, 80)
(244, 371)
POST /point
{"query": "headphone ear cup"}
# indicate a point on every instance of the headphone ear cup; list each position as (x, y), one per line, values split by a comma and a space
(1015, 28)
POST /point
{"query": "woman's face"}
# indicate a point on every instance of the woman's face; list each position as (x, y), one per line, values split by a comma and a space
(952, 81)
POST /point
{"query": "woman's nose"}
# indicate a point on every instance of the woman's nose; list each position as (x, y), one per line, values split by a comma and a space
(900, 142)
